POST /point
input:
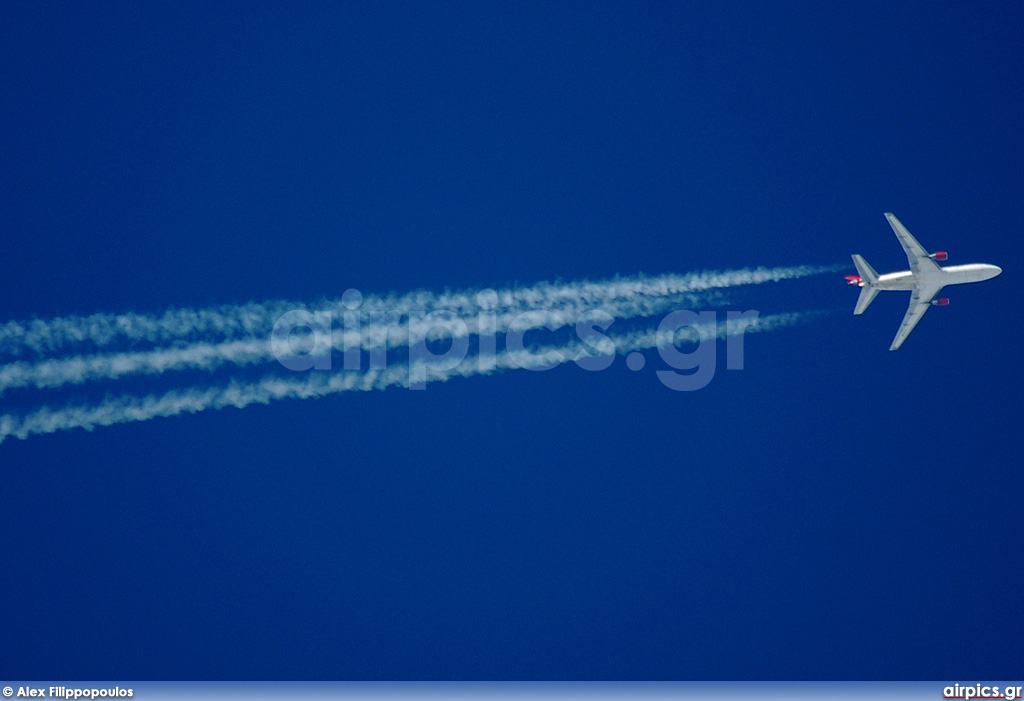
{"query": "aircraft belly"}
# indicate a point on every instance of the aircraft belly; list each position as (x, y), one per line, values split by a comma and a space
(902, 283)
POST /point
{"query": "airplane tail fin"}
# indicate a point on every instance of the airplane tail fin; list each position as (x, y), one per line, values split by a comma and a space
(869, 278)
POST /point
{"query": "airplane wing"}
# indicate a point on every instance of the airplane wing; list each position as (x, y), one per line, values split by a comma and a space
(918, 257)
(920, 300)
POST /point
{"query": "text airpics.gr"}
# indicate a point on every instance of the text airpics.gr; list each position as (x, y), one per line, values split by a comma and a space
(979, 691)
(304, 340)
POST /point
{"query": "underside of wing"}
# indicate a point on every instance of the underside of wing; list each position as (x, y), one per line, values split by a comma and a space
(920, 300)
(917, 256)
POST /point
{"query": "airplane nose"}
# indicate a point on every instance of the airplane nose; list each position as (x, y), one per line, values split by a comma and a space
(996, 270)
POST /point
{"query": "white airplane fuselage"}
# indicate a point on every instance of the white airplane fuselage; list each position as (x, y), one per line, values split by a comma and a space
(951, 275)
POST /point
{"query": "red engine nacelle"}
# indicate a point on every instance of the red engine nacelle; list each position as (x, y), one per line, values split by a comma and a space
(853, 280)
(941, 301)
(939, 255)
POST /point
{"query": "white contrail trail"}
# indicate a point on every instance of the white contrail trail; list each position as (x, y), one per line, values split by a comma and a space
(41, 337)
(48, 374)
(128, 409)
(621, 298)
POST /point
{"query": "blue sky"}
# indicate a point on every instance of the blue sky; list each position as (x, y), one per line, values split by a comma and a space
(833, 511)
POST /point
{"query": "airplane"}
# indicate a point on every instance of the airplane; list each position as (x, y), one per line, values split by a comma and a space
(923, 280)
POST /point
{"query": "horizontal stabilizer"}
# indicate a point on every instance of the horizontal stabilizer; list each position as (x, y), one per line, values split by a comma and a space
(865, 270)
(867, 294)
(868, 278)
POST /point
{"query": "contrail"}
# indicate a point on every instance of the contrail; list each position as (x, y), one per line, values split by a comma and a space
(48, 374)
(129, 409)
(40, 337)
(634, 297)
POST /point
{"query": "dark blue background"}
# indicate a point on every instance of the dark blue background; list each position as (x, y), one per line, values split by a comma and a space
(833, 511)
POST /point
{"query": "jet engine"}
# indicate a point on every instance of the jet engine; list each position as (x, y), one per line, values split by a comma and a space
(939, 255)
(941, 301)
